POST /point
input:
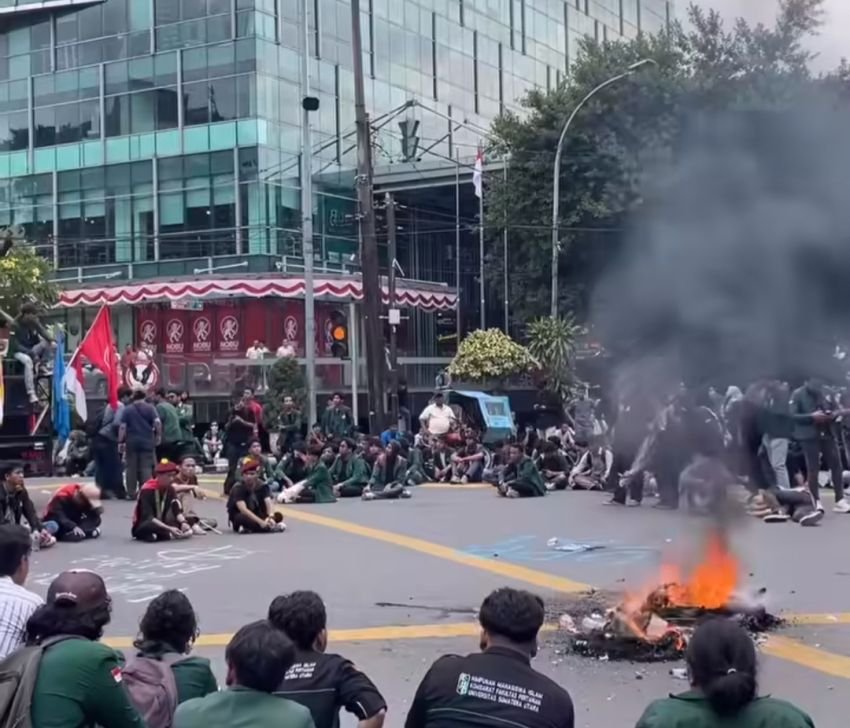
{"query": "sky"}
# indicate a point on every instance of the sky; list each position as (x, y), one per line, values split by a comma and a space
(832, 43)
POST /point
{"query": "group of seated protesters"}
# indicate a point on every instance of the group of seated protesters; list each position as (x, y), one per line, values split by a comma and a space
(279, 671)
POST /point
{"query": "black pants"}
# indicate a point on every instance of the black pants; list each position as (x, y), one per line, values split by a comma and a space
(812, 451)
(351, 491)
(391, 491)
(107, 463)
(633, 488)
(667, 478)
(525, 488)
(247, 524)
(88, 524)
(234, 452)
(150, 532)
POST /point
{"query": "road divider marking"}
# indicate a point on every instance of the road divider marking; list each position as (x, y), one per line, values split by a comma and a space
(818, 619)
(793, 650)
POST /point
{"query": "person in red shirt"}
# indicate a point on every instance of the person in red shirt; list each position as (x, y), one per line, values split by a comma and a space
(158, 515)
(73, 513)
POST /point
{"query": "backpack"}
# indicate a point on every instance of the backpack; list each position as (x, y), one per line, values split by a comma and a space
(18, 675)
(152, 688)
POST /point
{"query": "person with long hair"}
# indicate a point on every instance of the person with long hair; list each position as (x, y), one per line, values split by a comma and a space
(79, 680)
(388, 475)
(722, 666)
(167, 632)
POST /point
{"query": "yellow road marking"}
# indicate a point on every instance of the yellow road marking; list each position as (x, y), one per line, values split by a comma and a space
(819, 619)
(365, 634)
(795, 651)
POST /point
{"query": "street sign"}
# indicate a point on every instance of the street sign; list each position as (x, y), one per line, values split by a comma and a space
(394, 316)
(188, 304)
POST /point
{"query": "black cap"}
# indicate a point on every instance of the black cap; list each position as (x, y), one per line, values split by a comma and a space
(78, 589)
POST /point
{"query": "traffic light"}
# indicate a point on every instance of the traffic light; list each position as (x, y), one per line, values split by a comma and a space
(339, 334)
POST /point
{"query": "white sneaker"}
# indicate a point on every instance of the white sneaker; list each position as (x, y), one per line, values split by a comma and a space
(512, 493)
(819, 506)
(280, 526)
(368, 495)
(550, 487)
(842, 506)
(198, 530)
(406, 493)
(281, 498)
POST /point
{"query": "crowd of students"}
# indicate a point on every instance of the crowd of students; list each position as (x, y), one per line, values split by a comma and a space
(55, 672)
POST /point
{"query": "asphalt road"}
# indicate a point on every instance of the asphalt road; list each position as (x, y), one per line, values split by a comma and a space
(402, 581)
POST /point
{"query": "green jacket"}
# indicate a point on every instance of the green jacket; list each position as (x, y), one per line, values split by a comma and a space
(416, 466)
(338, 422)
(691, 710)
(79, 685)
(805, 402)
(242, 708)
(193, 675)
(184, 414)
(381, 478)
(289, 422)
(319, 481)
(171, 431)
(353, 471)
(526, 471)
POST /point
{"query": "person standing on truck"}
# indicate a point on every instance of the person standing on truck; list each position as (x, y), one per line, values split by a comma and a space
(31, 346)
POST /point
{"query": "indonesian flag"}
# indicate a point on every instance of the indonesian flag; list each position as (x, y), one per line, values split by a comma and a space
(99, 348)
(478, 174)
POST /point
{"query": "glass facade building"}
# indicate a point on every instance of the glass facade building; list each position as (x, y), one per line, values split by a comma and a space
(140, 131)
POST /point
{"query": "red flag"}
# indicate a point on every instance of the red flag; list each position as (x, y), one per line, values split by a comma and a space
(99, 348)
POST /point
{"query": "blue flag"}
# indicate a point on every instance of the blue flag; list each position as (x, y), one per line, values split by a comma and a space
(61, 408)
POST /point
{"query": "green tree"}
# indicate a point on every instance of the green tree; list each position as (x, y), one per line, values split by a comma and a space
(552, 342)
(286, 379)
(24, 276)
(490, 355)
(622, 133)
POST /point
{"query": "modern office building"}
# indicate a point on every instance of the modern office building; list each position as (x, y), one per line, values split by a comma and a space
(152, 141)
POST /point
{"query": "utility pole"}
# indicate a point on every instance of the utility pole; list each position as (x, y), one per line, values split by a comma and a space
(372, 299)
(308, 104)
(394, 314)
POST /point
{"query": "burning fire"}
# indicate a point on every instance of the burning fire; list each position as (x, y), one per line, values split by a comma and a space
(710, 585)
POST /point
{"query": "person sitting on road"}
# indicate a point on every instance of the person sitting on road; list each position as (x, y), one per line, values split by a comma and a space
(73, 513)
(415, 457)
(292, 468)
(387, 481)
(79, 680)
(322, 682)
(468, 462)
(316, 487)
(249, 506)
(592, 470)
(442, 461)
(257, 659)
(15, 504)
(498, 462)
(779, 505)
(553, 466)
(521, 478)
(188, 491)
(158, 515)
(464, 690)
(722, 667)
(349, 472)
(167, 632)
(78, 455)
(338, 420)
(267, 469)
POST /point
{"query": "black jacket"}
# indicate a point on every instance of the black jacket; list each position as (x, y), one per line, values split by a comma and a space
(15, 505)
(496, 687)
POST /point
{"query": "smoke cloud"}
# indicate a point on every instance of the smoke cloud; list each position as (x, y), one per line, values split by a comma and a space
(739, 265)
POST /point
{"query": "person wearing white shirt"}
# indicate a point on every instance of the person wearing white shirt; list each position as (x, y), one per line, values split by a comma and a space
(438, 418)
(16, 603)
(286, 349)
(257, 351)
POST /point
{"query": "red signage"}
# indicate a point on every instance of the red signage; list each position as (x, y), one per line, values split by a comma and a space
(201, 323)
(229, 329)
(147, 327)
(174, 334)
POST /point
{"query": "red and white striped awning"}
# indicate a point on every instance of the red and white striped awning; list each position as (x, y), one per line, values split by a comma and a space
(428, 297)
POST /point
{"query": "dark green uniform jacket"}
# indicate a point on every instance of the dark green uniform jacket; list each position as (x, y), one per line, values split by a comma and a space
(416, 467)
(338, 422)
(319, 481)
(242, 708)
(526, 471)
(381, 479)
(691, 710)
(353, 471)
(78, 686)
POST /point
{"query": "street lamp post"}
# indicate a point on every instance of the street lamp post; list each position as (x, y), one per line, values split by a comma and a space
(556, 176)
